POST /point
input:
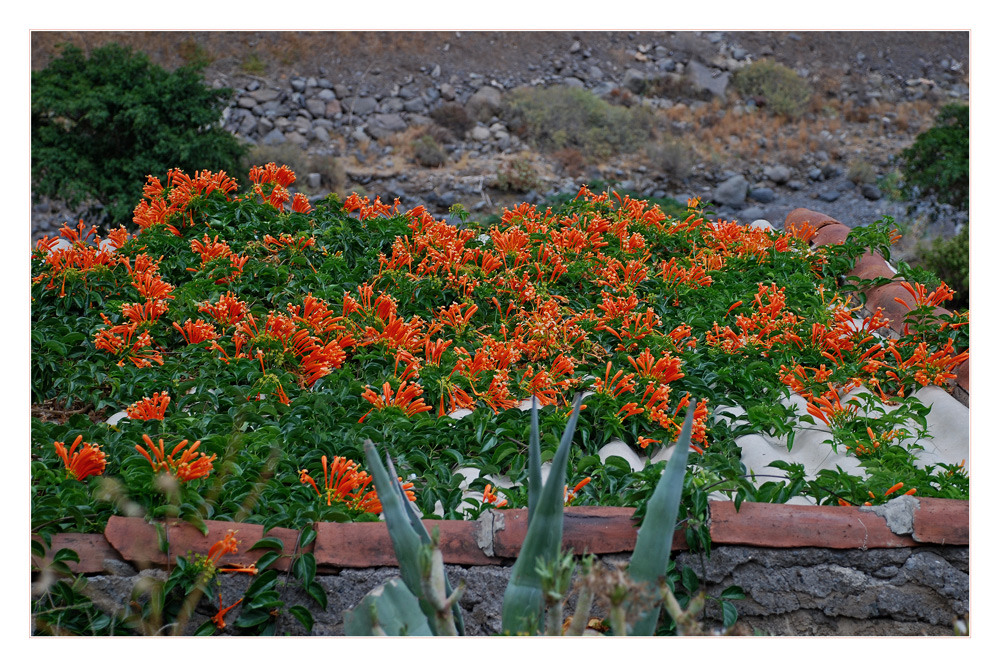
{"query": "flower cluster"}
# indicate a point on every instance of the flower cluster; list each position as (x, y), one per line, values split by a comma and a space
(345, 482)
(80, 464)
(188, 467)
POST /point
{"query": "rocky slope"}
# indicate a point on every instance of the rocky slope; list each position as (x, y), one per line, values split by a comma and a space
(353, 110)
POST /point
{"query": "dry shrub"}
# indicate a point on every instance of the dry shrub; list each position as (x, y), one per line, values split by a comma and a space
(670, 157)
(861, 172)
(572, 161)
(673, 86)
(517, 175)
(453, 117)
(622, 97)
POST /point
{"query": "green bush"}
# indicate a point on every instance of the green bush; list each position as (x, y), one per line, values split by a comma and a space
(561, 117)
(949, 260)
(938, 161)
(777, 87)
(100, 124)
(427, 152)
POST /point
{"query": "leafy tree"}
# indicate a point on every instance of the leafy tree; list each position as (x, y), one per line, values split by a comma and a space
(938, 164)
(938, 161)
(99, 125)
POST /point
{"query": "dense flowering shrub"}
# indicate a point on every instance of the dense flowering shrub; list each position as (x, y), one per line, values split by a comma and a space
(276, 333)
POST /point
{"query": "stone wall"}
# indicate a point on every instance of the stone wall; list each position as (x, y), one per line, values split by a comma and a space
(801, 592)
(896, 569)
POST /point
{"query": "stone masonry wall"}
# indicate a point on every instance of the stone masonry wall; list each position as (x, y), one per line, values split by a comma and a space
(801, 592)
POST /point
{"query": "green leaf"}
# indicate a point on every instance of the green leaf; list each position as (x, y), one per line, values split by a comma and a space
(303, 615)
(306, 536)
(193, 518)
(206, 629)
(37, 549)
(161, 537)
(269, 543)
(252, 617)
(304, 568)
(690, 580)
(65, 554)
(729, 613)
(275, 520)
(425, 539)
(392, 608)
(316, 592)
(733, 593)
(261, 582)
(534, 461)
(267, 559)
(406, 542)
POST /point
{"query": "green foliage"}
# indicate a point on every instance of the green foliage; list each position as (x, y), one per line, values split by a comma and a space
(778, 88)
(560, 117)
(949, 260)
(100, 124)
(938, 161)
(169, 606)
(229, 400)
(893, 185)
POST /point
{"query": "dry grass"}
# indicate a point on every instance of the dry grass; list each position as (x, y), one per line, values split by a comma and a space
(720, 133)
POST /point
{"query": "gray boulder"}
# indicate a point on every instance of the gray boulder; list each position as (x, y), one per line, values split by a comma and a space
(704, 78)
(273, 138)
(732, 192)
(315, 107)
(385, 124)
(484, 103)
(778, 173)
(634, 80)
(359, 106)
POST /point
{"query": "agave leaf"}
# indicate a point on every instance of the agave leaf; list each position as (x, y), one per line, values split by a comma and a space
(522, 601)
(534, 461)
(425, 538)
(405, 540)
(652, 547)
(390, 609)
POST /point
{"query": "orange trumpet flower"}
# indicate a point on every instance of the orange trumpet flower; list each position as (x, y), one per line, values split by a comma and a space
(894, 488)
(571, 495)
(186, 468)
(490, 497)
(149, 408)
(89, 460)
